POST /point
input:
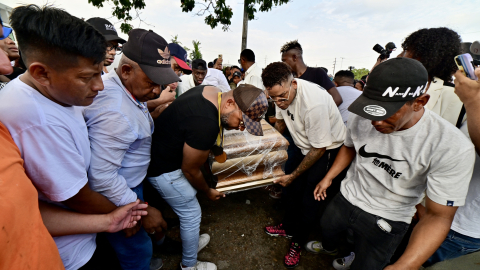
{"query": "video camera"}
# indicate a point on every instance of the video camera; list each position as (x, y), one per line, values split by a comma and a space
(385, 53)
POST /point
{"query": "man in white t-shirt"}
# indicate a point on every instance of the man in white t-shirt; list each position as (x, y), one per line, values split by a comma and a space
(464, 235)
(317, 129)
(403, 150)
(41, 111)
(201, 75)
(344, 80)
(253, 73)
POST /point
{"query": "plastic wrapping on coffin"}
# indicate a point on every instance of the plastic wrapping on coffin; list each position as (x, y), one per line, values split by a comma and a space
(252, 161)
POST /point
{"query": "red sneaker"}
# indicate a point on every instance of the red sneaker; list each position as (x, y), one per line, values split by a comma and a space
(292, 259)
(277, 231)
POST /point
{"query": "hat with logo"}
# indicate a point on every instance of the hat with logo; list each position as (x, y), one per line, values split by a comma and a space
(237, 73)
(390, 85)
(150, 52)
(199, 64)
(106, 28)
(179, 54)
(253, 104)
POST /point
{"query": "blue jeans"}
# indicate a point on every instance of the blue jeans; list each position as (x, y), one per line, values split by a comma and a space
(134, 252)
(455, 245)
(181, 196)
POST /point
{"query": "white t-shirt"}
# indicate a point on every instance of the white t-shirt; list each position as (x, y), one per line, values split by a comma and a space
(349, 95)
(253, 76)
(467, 218)
(53, 142)
(313, 118)
(391, 172)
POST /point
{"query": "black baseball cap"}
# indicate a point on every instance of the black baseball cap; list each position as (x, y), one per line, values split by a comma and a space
(390, 85)
(253, 104)
(150, 52)
(106, 28)
(199, 64)
(179, 54)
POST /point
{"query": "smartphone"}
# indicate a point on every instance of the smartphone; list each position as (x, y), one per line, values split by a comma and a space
(465, 64)
(220, 56)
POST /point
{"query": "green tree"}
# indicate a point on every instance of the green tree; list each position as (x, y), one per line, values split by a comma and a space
(196, 54)
(122, 11)
(360, 72)
(176, 41)
(220, 13)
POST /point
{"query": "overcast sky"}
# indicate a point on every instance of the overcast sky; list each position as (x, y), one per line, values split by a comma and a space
(326, 29)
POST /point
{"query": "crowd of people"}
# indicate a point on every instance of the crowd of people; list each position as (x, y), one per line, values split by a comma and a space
(390, 156)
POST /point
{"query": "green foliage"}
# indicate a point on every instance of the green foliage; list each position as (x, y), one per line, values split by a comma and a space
(360, 72)
(122, 10)
(176, 41)
(196, 54)
(221, 13)
(218, 11)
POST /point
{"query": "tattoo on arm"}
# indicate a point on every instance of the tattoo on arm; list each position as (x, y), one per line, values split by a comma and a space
(313, 156)
(280, 125)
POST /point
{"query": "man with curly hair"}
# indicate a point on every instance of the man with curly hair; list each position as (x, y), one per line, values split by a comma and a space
(292, 55)
(436, 49)
(317, 128)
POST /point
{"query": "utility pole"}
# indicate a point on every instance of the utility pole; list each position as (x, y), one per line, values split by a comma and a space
(341, 63)
(245, 25)
(334, 64)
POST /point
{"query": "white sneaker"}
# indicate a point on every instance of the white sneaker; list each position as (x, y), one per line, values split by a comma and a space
(156, 263)
(316, 247)
(203, 241)
(200, 266)
(344, 263)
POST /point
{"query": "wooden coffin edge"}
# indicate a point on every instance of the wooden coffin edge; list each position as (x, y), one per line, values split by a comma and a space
(247, 186)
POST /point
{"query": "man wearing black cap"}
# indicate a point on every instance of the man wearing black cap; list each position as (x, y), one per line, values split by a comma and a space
(107, 29)
(178, 62)
(120, 128)
(399, 150)
(184, 134)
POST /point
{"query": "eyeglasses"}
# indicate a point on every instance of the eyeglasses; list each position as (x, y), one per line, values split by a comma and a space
(117, 48)
(280, 98)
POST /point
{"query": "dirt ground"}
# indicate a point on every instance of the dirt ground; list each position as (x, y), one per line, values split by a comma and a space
(238, 241)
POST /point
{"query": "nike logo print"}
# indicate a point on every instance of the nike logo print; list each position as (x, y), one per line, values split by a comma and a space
(365, 154)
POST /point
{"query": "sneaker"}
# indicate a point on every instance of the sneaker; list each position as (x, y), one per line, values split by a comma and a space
(200, 266)
(275, 193)
(203, 241)
(156, 263)
(292, 259)
(316, 247)
(344, 263)
(277, 231)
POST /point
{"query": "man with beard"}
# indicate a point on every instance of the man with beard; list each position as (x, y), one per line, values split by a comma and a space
(184, 134)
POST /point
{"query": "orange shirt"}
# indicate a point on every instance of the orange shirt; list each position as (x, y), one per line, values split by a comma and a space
(24, 241)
